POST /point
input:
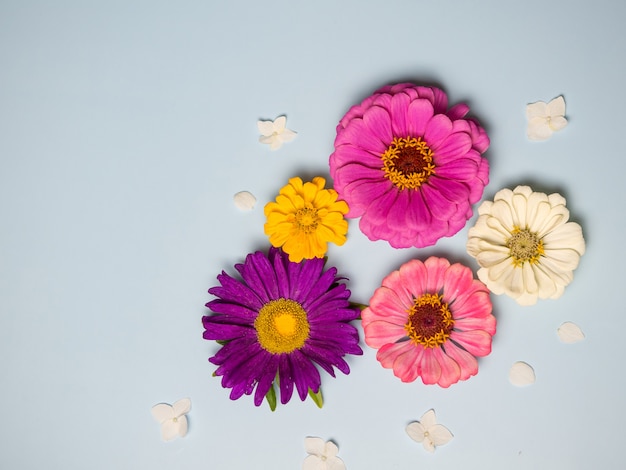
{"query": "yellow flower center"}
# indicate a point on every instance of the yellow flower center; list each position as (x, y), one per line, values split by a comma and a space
(306, 220)
(408, 163)
(524, 246)
(282, 326)
(430, 321)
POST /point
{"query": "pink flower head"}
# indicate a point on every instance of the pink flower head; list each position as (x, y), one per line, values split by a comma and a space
(430, 320)
(408, 166)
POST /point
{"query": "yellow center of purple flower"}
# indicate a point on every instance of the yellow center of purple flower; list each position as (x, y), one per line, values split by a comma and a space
(306, 220)
(524, 246)
(282, 326)
(408, 162)
(430, 321)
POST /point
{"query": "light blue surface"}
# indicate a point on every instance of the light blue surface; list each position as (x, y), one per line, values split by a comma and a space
(125, 130)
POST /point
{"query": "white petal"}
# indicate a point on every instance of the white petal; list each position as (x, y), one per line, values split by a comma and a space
(429, 445)
(564, 260)
(537, 109)
(428, 419)
(556, 107)
(570, 332)
(335, 464)
(557, 123)
(182, 426)
(181, 407)
(279, 124)
(314, 446)
(415, 431)
(244, 200)
(276, 144)
(502, 211)
(538, 129)
(330, 450)
(287, 135)
(521, 374)
(569, 235)
(531, 285)
(489, 258)
(162, 412)
(547, 286)
(169, 430)
(266, 128)
(313, 462)
(440, 435)
(267, 139)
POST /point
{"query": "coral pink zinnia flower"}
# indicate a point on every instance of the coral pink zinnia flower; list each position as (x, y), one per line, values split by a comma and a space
(430, 320)
(408, 166)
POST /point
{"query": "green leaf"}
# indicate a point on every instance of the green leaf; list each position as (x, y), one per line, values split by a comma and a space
(270, 396)
(317, 397)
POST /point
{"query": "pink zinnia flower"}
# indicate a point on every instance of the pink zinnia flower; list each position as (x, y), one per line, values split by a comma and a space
(430, 320)
(408, 166)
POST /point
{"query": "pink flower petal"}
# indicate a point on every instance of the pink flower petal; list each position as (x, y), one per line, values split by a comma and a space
(399, 111)
(436, 273)
(467, 362)
(476, 342)
(379, 333)
(430, 369)
(437, 129)
(388, 353)
(450, 370)
(420, 113)
(378, 121)
(406, 366)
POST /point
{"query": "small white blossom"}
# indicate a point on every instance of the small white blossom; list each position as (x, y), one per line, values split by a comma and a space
(322, 455)
(274, 133)
(544, 119)
(172, 418)
(428, 432)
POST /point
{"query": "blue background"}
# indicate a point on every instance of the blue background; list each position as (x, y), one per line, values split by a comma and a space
(127, 126)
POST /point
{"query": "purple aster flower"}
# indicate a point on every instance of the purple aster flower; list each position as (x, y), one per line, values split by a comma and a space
(408, 166)
(278, 321)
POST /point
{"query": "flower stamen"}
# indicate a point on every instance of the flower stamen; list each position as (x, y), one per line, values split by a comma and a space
(408, 162)
(306, 220)
(524, 247)
(282, 326)
(430, 321)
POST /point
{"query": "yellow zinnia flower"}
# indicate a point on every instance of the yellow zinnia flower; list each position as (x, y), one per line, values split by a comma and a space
(304, 218)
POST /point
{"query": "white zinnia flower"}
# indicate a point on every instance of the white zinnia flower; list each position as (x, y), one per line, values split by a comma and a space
(274, 133)
(545, 118)
(525, 246)
(322, 455)
(172, 418)
(428, 432)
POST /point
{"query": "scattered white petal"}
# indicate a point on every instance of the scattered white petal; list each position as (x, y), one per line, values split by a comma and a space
(172, 418)
(428, 432)
(570, 332)
(275, 133)
(244, 200)
(521, 374)
(322, 455)
(545, 119)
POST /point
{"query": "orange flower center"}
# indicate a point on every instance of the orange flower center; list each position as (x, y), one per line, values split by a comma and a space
(430, 321)
(408, 162)
(306, 219)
